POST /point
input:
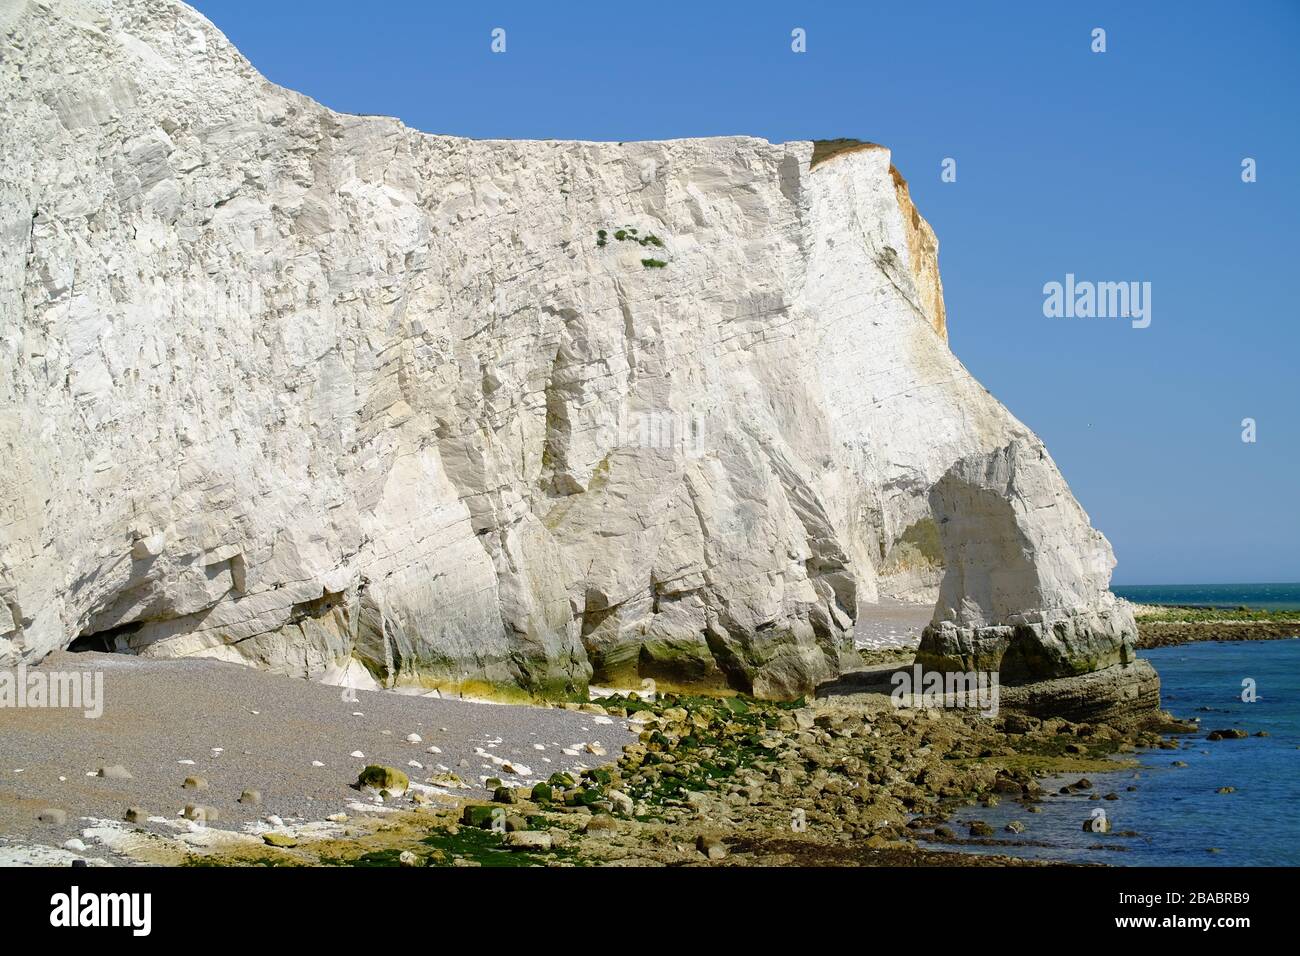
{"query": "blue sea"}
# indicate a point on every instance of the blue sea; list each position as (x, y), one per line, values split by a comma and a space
(1259, 597)
(1179, 817)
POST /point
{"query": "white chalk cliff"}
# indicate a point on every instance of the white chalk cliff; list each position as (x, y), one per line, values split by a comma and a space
(310, 390)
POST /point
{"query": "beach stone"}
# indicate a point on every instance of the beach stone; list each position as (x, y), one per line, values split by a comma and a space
(195, 783)
(542, 793)
(381, 778)
(600, 823)
(477, 816)
(115, 772)
(407, 858)
(53, 816)
(528, 840)
(979, 828)
(283, 840)
(75, 846)
(621, 802)
(711, 846)
(414, 739)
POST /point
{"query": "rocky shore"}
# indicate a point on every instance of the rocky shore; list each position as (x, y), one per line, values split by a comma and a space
(846, 779)
(1166, 626)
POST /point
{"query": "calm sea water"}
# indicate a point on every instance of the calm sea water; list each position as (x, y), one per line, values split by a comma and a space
(1263, 597)
(1178, 815)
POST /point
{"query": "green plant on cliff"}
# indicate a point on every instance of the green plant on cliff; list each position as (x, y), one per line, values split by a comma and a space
(824, 149)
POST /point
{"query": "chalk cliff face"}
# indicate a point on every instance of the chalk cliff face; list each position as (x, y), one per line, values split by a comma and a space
(319, 393)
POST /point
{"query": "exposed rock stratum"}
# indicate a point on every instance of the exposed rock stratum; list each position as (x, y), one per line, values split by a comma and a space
(318, 392)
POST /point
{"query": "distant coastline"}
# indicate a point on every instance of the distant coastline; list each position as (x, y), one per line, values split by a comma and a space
(1169, 614)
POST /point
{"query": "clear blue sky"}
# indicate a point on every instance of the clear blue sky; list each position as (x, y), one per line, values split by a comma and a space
(1118, 166)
